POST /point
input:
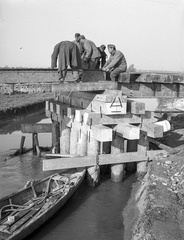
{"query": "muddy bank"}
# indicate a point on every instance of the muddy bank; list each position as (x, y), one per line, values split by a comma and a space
(156, 208)
(17, 104)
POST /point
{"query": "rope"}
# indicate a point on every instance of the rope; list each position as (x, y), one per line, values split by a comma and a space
(37, 200)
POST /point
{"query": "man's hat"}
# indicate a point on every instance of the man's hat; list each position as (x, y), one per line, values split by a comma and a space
(111, 46)
(82, 37)
(103, 47)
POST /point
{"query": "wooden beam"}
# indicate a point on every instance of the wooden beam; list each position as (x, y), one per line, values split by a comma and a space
(127, 131)
(36, 128)
(106, 96)
(85, 86)
(135, 107)
(94, 118)
(137, 89)
(162, 104)
(164, 147)
(153, 130)
(104, 159)
(164, 77)
(117, 106)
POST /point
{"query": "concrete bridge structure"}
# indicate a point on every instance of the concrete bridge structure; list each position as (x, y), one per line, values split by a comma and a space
(102, 122)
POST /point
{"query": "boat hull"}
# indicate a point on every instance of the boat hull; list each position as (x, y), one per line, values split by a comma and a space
(46, 212)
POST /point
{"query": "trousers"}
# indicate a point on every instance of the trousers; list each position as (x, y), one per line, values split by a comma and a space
(115, 73)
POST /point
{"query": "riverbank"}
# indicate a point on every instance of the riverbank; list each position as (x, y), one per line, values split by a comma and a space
(12, 105)
(155, 210)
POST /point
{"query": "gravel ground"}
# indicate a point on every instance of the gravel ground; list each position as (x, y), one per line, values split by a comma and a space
(156, 208)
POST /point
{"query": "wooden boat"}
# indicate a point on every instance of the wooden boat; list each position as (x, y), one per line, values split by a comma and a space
(21, 213)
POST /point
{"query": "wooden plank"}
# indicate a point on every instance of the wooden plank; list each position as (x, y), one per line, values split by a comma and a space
(115, 107)
(104, 159)
(166, 90)
(97, 118)
(60, 155)
(25, 218)
(164, 77)
(127, 131)
(106, 96)
(153, 130)
(137, 89)
(155, 77)
(67, 163)
(135, 107)
(164, 147)
(87, 86)
(61, 108)
(36, 128)
(162, 104)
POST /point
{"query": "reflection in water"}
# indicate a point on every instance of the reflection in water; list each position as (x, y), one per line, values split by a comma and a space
(92, 213)
(14, 172)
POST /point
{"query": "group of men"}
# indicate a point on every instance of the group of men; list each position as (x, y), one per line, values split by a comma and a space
(83, 54)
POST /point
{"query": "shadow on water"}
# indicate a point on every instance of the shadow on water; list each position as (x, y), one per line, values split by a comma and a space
(9, 126)
(92, 213)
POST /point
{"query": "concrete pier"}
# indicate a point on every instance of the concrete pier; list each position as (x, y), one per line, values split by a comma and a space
(93, 173)
(117, 170)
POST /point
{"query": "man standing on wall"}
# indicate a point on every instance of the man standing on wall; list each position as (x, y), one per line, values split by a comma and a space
(91, 54)
(116, 63)
(69, 56)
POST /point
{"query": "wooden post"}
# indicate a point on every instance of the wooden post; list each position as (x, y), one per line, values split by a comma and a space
(36, 144)
(65, 139)
(73, 140)
(55, 137)
(117, 170)
(34, 136)
(22, 144)
(82, 140)
(143, 145)
(106, 149)
(93, 173)
(131, 147)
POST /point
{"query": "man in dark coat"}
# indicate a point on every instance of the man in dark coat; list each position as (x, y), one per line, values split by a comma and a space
(103, 57)
(69, 56)
(116, 63)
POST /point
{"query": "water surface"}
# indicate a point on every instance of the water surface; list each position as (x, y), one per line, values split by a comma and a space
(92, 213)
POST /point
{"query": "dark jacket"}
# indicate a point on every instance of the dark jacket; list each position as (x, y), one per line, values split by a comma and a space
(69, 55)
(102, 59)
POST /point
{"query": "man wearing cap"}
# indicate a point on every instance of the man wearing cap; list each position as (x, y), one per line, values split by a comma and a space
(102, 60)
(116, 63)
(68, 56)
(91, 54)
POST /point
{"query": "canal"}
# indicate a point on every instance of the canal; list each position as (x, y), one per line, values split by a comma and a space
(92, 213)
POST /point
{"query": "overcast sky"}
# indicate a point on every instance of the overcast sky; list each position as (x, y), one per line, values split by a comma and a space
(150, 33)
